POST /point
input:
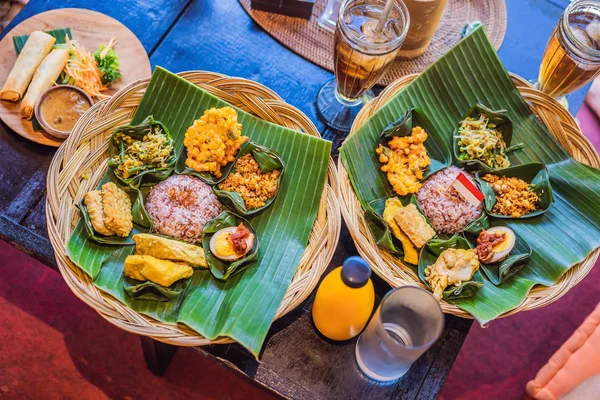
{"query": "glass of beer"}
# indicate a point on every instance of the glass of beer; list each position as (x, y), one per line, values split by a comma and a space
(572, 56)
(362, 54)
(406, 324)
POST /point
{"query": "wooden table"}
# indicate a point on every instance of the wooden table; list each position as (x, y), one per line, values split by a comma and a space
(219, 36)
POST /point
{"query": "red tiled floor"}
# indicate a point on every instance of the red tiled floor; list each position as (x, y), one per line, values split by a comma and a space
(53, 346)
(498, 361)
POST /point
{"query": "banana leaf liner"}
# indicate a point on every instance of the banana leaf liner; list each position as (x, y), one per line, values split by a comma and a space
(439, 153)
(503, 124)
(429, 254)
(142, 223)
(379, 227)
(146, 176)
(151, 291)
(468, 74)
(268, 161)
(501, 271)
(534, 173)
(224, 270)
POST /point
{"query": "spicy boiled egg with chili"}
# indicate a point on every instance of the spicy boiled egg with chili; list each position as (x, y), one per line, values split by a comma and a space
(495, 244)
(230, 244)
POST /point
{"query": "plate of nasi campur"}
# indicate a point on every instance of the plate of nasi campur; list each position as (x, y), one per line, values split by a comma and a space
(58, 64)
(463, 191)
(203, 214)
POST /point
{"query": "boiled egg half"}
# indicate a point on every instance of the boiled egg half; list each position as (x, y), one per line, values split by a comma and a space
(230, 244)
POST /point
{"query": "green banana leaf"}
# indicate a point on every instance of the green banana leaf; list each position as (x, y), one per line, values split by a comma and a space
(221, 269)
(268, 161)
(502, 123)
(149, 290)
(468, 74)
(58, 34)
(534, 173)
(147, 174)
(244, 306)
(141, 221)
(381, 230)
(438, 152)
(429, 254)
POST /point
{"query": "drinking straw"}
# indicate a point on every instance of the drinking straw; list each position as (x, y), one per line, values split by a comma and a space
(384, 16)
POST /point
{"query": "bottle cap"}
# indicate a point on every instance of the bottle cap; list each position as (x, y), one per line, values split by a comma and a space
(355, 272)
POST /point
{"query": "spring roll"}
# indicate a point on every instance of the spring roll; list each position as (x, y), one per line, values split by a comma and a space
(37, 47)
(45, 76)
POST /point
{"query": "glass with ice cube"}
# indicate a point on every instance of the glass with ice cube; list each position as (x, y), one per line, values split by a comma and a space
(407, 322)
(362, 54)
(572, 56)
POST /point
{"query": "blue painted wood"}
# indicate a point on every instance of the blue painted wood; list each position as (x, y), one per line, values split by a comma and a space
(219, 36)
(148, 19)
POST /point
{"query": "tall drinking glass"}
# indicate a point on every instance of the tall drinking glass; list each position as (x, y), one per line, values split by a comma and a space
(572, 56)
(407, 322)
(361, 57)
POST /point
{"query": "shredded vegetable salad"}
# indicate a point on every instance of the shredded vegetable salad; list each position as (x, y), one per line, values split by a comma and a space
(478, 139)
(91, 72)
(153, 151)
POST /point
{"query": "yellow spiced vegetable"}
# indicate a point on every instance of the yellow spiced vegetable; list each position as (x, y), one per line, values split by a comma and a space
(213, 140)
(404, 159)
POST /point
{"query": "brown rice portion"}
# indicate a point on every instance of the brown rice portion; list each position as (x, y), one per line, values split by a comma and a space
(180, 206)
(446, 209)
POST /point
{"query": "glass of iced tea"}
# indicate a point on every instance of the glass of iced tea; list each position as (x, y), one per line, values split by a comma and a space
(362, 54)
(572, 56)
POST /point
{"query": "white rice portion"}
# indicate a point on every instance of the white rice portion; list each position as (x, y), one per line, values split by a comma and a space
(180, 206)
(446, 209)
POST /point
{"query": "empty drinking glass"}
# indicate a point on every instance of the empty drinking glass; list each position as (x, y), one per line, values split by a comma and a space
(407, 322)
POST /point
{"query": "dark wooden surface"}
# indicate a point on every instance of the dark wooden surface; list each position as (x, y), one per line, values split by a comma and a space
(219, 36)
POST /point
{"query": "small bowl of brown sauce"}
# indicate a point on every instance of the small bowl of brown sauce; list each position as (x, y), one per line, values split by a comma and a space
(59, 109)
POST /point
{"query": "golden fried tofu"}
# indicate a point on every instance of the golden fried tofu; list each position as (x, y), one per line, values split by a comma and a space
(93, 203)
(169, 249)
(163, 272)
(117, 209)
(414, 225)
(392, 205)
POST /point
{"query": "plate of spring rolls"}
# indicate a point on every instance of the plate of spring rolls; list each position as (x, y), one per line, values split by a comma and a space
(91, 54)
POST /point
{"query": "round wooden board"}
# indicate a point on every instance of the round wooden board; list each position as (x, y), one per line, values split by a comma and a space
(91, 29)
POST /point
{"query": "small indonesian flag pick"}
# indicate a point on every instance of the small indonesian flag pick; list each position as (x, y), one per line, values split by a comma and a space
(468, 190)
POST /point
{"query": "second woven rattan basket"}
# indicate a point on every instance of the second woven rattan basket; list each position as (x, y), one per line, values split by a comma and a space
(562, 126)
(87, 150)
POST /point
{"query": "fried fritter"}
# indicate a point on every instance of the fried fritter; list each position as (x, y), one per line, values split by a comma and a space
(414, 225)
(392, 205)
(169, 249)
(93, 203)
(117, 209)
(163, 272)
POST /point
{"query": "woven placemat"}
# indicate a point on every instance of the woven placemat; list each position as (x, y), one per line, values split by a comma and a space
(314, 43)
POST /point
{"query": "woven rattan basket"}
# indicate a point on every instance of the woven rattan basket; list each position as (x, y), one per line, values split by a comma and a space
(87, 150)
(558, 121)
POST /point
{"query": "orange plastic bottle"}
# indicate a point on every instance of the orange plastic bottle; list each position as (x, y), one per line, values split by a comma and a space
(344, 301)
